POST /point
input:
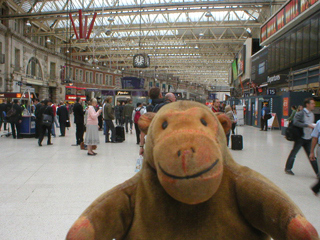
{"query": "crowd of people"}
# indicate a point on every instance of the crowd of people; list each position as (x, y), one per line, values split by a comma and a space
(92, 117)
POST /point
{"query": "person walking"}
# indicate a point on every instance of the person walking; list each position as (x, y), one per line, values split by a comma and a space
(92, 132)
(37, 109)
(229, 113)
(15, 118)
(108, 117)
(304, 120)
(140, 110)
(312, 157)
(127, 112)
(79, 120)
(2, 110)
(117, 112)
(46, 109)
(264, 117)
(63, 118)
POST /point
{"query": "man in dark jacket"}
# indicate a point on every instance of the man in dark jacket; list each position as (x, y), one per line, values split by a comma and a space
(108, 117)
(127, 112)
(156, 96)
(16, 119)
(79, 120)
(37, 109)
(118, 112)
(46, 109)
(2, 109)
(63, 118)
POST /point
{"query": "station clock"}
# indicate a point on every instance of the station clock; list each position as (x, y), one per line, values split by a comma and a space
(141, 61)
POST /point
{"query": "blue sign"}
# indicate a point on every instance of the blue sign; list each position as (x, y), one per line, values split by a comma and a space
(132, 83)
(212, 96)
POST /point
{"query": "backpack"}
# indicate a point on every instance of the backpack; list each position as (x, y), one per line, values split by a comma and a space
(11, 113)
(137, 115)
(293, 132)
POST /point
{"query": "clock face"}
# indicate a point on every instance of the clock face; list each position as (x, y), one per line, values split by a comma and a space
(139, 60)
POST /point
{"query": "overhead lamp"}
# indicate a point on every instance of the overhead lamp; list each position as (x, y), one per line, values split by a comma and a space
(28, 23)
(110, 19)
(96, 60)
(196, 47)
(208, 14)
(108, 32)
(201, 34)
(86, 59)
(48, 40)
(98, 68)
(67, 51)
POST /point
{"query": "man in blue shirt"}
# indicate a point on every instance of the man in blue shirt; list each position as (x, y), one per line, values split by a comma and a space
(315, 141)
(264, 117)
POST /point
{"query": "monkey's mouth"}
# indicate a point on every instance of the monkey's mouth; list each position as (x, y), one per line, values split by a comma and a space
(189, 176)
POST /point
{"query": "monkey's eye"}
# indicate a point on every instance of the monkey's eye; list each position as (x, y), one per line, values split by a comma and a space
(164, 124)
(203, 122)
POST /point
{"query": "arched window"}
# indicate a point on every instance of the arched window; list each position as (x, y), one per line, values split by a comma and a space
(34, 68)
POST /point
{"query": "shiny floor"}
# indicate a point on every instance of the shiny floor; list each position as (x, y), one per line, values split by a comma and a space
(44, 189)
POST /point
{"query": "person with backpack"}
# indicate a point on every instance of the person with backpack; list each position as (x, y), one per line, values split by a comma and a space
(305, 121)
(140, 110)
(15, 118)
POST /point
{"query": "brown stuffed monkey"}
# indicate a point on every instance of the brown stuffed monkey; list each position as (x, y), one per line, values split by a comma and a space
(190, 188)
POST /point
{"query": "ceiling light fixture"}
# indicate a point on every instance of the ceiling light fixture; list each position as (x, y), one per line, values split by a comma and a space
(28, 23)
(110, 19)
(196, 47)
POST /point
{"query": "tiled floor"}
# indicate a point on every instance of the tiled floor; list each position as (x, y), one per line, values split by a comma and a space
(44, 189)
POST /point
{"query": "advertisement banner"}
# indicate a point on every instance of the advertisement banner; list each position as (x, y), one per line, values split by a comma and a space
(263, 33)
(280, 19)
(285, 106)
(234, 70)
(271, 27)
(241, 61)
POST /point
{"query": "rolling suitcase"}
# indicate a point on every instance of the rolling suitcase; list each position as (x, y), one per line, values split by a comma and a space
(120, 136)
(236, 142)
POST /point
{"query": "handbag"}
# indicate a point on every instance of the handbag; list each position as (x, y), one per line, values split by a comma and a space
(268, 116)
(293, 133)
(46, 120)
(67, 123)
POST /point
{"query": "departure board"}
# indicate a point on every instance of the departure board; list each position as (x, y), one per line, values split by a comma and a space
(299, 45)
(314, 38)
(306, 43)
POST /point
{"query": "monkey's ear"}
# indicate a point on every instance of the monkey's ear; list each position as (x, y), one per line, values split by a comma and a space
(225, 122)
(145, 120)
